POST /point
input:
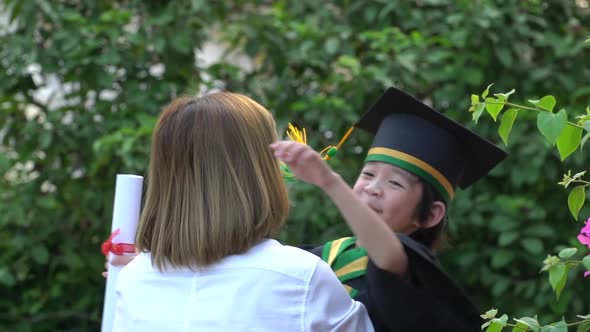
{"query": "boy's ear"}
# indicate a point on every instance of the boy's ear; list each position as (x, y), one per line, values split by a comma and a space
(436, 214)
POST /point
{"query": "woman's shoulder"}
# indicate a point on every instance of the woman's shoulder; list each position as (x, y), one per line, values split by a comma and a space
(271, 255)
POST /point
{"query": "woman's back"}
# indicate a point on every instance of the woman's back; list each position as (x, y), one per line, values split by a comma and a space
(214, 197)
(270, 287)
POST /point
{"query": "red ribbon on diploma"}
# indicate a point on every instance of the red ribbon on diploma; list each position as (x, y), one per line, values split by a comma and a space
(116, 248)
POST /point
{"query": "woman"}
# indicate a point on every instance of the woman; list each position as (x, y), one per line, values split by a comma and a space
(214, 200)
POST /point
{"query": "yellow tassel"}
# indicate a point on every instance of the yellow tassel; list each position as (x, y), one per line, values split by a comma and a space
(296, 134)
(328, 152)
(331, 150)
(300, 136)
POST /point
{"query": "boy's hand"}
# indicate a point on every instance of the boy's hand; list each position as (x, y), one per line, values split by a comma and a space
(305, 163)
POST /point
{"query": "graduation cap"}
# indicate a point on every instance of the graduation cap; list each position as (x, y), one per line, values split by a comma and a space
(421, 140)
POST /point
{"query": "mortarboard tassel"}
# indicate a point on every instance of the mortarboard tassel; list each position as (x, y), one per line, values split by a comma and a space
(300, 136)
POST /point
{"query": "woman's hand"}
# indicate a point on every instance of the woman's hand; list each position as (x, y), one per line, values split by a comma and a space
(117, 261)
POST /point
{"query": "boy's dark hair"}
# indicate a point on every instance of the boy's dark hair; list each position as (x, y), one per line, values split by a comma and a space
(432, 237)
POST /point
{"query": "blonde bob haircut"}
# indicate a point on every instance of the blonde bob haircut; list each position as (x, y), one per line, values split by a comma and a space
(214, 187)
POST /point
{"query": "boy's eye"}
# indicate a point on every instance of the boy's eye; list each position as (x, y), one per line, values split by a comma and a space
(396, 184)
(369, 174)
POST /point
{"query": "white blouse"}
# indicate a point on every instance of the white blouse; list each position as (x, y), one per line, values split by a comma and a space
(271, 287)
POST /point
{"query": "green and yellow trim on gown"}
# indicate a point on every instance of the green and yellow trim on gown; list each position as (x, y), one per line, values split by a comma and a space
(348, 262)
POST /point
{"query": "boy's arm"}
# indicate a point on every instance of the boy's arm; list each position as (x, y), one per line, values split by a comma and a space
(425, 300)
(383, 246)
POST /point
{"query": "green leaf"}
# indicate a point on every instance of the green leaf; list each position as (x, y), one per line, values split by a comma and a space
(486, 91)
(490, 314)
(502, 258)
(507, 238)
(48, 202)
(478, 111)
(575, 200)
(497, 324)
(584, 140)
(533, 245)
(547, 103)
(40, 254)
(6, 277)
(541, 230)
(474, 99)
(500, 286)
(505, 95)
(495, 327)
(557, 278)
(560, 326)
(586, 263)
(584, 327)
(180, 42)
(495, 106)
(332, 45)
(506, 124)
(568, 252)
(4, 162)
(529, 322)
(350, 62)
(551, 125)
(568, 141)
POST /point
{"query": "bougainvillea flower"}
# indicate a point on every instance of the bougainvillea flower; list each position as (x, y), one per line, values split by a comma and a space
(587, 273)
(584, 236)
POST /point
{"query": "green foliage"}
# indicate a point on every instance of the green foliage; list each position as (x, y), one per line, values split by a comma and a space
(567, 253)
(558, 277)
(60, 153)
(569, 140)
(551, 125)
(506, 125)
(569, 136)
(316, 64)
(575, 200)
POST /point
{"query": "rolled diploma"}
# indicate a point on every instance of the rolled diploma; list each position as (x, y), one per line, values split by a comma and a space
(126, 211)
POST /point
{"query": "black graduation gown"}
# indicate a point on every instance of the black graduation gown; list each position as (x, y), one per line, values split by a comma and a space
(425, 300)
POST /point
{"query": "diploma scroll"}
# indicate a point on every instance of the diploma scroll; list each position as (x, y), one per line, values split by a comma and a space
(126, 210)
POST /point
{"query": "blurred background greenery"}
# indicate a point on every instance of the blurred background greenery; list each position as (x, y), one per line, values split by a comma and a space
(84, 80)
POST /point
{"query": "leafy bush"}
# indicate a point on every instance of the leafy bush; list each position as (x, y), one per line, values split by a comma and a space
(316, 64)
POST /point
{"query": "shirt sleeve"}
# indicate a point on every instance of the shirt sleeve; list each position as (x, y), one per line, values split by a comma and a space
(328, 308)
(423, 300)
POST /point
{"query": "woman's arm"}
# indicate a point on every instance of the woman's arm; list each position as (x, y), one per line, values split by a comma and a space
(328, 308)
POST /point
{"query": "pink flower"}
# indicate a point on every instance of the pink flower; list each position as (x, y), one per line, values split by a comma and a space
(587, 273)
(584, 236)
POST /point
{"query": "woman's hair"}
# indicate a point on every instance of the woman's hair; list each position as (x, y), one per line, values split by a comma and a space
(432, 237)
(214, 187)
